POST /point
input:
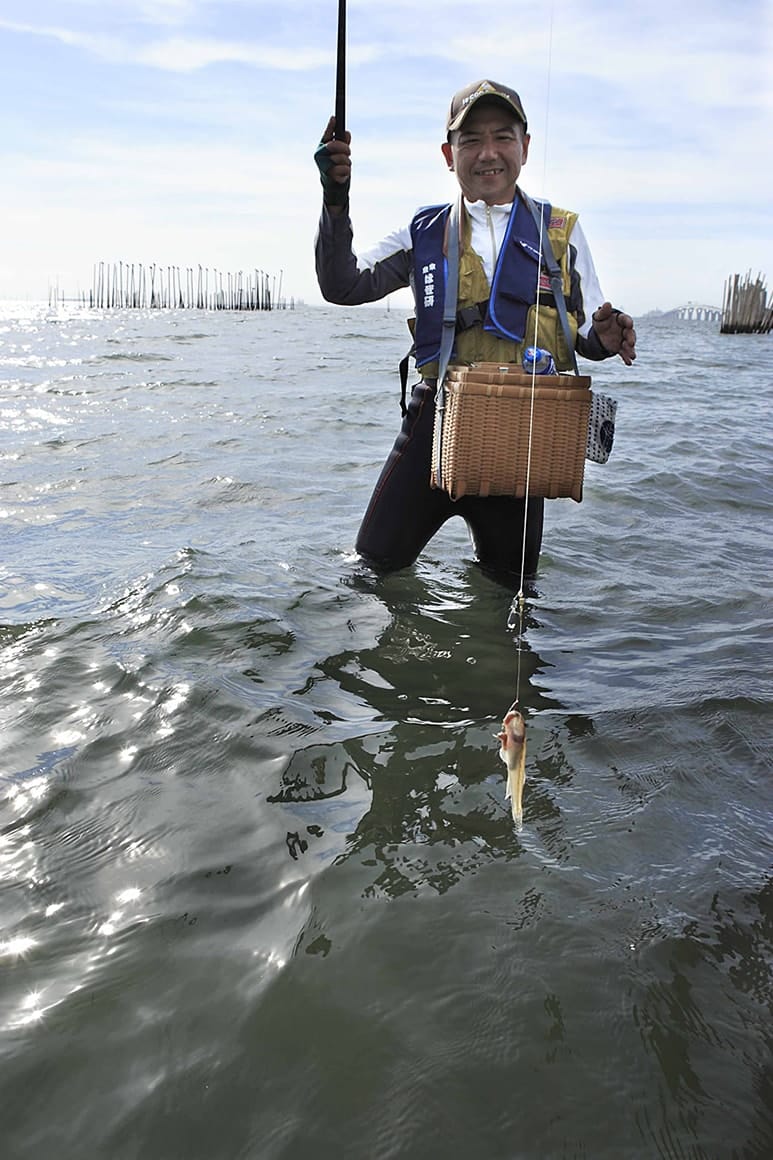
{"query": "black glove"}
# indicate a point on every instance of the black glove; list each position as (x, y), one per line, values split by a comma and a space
(334, 192)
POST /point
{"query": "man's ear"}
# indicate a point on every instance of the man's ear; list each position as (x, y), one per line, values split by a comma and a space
(448, 154)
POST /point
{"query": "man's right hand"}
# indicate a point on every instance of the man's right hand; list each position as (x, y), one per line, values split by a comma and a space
(334, 161)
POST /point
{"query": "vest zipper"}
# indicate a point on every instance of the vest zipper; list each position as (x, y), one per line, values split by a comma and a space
(494, 254)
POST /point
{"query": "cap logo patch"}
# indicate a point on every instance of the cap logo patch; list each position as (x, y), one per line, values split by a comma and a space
(479, 92)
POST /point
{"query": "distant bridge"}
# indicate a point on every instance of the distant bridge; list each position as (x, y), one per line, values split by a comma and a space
(696, 312)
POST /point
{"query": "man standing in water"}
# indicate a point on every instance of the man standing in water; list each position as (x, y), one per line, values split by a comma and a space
(498, 284)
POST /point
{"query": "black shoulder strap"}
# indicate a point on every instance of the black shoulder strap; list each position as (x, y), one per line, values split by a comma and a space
(403, 367)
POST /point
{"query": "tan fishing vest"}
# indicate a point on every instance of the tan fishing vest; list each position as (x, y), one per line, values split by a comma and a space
(479, 345)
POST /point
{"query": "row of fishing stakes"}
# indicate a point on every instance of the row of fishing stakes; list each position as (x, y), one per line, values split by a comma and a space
(745, 306)
(133, 285)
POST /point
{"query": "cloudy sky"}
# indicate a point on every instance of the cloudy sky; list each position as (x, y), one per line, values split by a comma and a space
(181, 132)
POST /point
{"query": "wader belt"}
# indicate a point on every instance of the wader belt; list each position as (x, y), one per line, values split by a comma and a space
(469, 316)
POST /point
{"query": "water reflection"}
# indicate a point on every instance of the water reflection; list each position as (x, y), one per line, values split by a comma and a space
(438, 679)
(724, 954)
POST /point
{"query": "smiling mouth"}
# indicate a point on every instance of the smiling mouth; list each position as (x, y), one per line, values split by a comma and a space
(488, 172)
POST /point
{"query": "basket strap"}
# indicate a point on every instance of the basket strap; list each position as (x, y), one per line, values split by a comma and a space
(449, 331)
(556, 281)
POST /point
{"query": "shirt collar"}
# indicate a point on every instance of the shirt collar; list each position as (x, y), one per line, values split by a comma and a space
(477, 209)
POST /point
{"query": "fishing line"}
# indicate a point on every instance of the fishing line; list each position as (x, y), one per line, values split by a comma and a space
(520, 598)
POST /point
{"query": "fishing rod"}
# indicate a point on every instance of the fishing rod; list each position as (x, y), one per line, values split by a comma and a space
(340, 103)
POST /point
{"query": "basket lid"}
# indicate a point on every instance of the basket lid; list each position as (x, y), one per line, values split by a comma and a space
(514, 375)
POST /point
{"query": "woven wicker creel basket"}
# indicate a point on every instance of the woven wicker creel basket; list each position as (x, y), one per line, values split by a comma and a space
(485, 433)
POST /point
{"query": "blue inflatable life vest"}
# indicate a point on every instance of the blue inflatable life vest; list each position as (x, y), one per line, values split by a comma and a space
(514, 287)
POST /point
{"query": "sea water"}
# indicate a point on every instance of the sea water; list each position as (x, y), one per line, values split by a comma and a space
(262, 895)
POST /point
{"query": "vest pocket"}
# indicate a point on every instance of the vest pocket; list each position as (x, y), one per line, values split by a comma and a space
(518, 281)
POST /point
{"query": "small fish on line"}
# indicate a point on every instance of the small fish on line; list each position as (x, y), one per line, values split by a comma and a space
(513, 753)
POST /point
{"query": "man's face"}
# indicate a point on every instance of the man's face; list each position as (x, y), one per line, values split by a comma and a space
(487, 154)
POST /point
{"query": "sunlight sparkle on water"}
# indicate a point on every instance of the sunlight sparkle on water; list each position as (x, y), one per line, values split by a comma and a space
(31, 1008)
(109, 926)
(17, 948)
(271, 958)
(118, 917)
(32, 791)
(63, 737)
(130, 894)
(176, 698)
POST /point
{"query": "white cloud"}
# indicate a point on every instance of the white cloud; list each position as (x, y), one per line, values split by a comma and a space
(103, 46)
(188, 55)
